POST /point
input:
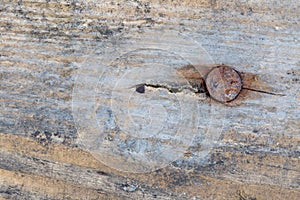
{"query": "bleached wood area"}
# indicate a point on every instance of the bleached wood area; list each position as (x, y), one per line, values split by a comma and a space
(252, 147)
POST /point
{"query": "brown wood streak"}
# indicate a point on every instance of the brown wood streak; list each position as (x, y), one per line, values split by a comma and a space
(52, 187)
(42, 44)
(76, 157)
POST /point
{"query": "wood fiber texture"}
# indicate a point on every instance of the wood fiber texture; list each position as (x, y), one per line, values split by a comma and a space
(42, 45)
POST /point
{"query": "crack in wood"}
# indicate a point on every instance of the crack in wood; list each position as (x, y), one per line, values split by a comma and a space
(195, 88)
(265, 92)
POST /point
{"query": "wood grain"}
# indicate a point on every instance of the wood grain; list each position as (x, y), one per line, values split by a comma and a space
(44, 44)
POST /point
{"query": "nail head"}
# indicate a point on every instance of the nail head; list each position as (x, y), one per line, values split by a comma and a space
(223, 83)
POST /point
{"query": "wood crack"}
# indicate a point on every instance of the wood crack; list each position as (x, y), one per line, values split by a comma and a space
(265, 92)
(195, 88)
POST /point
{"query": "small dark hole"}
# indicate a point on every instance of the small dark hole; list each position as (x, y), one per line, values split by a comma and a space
(140, 89)
(102, 173)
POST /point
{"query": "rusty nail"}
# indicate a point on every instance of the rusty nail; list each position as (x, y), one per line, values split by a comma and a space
(223, 83)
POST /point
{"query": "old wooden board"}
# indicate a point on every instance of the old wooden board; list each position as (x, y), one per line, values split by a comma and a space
(45, 45)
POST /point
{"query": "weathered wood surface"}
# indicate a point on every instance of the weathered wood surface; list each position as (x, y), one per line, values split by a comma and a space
(44, 43)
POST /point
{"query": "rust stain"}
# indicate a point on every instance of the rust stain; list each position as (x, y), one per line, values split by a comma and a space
(246, 85)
